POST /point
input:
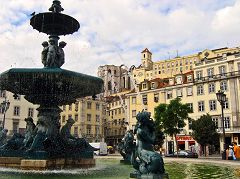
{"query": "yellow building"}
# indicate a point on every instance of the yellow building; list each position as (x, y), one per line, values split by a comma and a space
(90, 118)
(19, 109)
(195, 79)
(117, 121)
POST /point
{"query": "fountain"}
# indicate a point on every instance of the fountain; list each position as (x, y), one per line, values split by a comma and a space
(49, 87)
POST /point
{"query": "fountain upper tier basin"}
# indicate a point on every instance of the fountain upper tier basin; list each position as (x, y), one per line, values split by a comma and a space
(52, 86)
(54, 23)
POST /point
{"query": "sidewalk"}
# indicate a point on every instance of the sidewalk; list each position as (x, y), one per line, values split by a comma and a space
(213, 159)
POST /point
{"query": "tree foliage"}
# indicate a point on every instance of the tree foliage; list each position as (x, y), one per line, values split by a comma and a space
(171, 117)
(204, 130)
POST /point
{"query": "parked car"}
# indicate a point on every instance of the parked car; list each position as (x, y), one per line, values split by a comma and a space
(183, 154)
(101, 146)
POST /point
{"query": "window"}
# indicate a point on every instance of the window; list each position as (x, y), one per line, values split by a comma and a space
(199, 75)
(189, 91)
(17, 97)
(201, 106)
(227, 122)
(189, 78)
(144, 98)
(190, 106)
(210, 72)
(133, 100)
(30, 112)
(2, 93)
(97, 106)
(16, 111)
(179, 80)
(76, 117)
(89, 105)
(88, 129)
(223, 85)
(15, 126)
(156, 97)
(97, 118)
(69, 116)
(215, 120)
(222, 70)
(144, 86)
(153, 85)
(226, 105)
(212, 105)
(179, 92)
(200, 90)
(211, 88)
(76, 106)
(63, 119)
(89, 116)
(134, 113)
(169, 94)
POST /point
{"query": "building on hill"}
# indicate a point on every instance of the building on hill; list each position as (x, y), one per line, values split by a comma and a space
(116, 79)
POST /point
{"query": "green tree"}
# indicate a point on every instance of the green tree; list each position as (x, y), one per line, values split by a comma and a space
(171, 117)
(204, 131)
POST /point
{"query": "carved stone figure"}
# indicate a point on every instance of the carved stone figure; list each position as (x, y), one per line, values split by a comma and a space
(72, 143)
(51, 53)
(60, 55)
(127, 145)
(14, 143)
(39, 135)
(56, 7)
(29, 134)
(44, 53)
(150, 162)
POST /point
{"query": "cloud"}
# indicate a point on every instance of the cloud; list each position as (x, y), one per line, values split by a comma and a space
(115, 32)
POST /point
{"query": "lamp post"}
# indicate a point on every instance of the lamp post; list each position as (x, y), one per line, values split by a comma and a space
(221, 97)
(4, 107)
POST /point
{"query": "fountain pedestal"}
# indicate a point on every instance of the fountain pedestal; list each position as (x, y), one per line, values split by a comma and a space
(45, 145)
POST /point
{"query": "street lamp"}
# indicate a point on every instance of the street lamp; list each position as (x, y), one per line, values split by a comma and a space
(4, 107)
(221, 97)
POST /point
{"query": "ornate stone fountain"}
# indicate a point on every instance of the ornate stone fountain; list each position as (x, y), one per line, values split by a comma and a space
(49, 87)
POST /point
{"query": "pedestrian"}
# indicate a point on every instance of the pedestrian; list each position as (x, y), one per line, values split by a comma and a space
(230, 153)
(236, 150)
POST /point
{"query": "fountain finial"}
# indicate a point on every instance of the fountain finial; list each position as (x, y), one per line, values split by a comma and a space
(56, 7)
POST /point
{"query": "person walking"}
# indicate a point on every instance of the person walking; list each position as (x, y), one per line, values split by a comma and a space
(236, 150)
(230, 153)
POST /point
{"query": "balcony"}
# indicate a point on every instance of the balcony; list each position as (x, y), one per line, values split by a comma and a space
(231, 129)
(228, 75)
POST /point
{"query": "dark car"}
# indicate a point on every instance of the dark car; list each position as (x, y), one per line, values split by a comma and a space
(183, 154)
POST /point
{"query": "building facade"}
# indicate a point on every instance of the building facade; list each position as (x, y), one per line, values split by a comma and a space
(195, 79)
(90, 118)
(17, 110)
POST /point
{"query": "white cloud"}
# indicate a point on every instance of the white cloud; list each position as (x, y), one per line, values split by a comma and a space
(116, 31)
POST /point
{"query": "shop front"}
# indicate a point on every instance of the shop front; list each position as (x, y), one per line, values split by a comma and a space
(185, 142)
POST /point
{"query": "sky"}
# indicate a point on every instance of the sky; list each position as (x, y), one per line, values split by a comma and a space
(116, 31)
